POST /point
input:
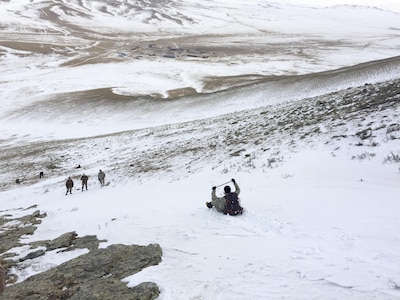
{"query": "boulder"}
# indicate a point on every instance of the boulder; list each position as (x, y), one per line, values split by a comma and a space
(95, 275)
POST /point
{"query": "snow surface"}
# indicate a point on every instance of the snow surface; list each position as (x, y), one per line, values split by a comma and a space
(317, 226)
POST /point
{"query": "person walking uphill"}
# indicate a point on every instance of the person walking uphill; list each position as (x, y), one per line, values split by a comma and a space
(229, 203)
(69, 184)
(84, 179)
(101, 177)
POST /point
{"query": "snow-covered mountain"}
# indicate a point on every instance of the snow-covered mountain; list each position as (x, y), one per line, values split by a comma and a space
(298, 102)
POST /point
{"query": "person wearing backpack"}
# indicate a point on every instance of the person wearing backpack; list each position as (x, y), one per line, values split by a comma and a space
(229, 203)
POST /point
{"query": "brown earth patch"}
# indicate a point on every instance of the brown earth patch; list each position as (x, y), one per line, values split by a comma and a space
(182, 92)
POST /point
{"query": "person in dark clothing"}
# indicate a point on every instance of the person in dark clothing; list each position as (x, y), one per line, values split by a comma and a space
(69, 184)
(101, 177)
(84, 179)
(220, 203)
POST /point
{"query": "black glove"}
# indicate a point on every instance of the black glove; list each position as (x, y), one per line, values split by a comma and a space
(233, 180)
(214, 188)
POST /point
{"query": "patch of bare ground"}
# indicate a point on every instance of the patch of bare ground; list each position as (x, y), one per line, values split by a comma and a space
(33, 47)
(182, 92)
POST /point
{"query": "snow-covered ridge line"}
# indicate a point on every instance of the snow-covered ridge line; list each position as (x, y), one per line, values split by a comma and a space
(194, 17)
(390, 5)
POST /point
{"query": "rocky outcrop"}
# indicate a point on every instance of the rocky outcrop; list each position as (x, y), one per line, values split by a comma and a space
(10, 235)
(95, 275)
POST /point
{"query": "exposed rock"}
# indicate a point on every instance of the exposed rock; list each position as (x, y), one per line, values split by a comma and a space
(95, 275)
(63, 241)
(146, 290)
(23, 226)
(88, 241)
(34, 218)
(364, 134)
(393, 131)
(392, 128)
(10, 238)
(69, 241)
(2, 279)
(237, 153)
(33, 255)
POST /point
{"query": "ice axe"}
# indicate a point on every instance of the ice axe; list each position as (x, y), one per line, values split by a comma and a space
(223, 183)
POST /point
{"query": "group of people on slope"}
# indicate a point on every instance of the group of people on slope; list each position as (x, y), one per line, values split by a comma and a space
(84, 178)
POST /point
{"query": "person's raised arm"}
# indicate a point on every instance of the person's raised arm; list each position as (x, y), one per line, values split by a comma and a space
(237, 191)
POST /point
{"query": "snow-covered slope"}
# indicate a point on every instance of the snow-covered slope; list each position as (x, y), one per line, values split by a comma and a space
(321, 201)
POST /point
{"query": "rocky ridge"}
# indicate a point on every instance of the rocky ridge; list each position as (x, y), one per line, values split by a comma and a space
(94, 275)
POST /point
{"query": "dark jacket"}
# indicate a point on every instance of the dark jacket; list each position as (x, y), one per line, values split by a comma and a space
(69, 184)
(101, 175)
(220, 202)
(84, 178)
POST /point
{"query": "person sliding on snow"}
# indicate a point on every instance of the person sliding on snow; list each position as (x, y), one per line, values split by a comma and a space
(229, 203)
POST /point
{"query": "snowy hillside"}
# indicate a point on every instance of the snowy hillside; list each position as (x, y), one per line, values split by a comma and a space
(298, 102)
(76, 71)
(321, 202)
